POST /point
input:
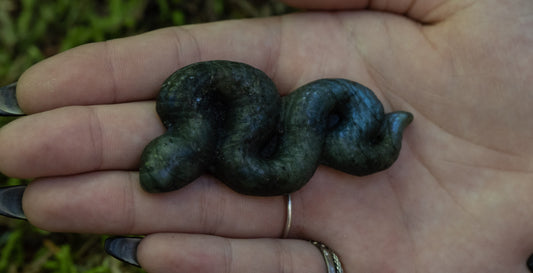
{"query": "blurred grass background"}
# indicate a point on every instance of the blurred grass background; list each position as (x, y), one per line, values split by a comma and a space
(31, 30)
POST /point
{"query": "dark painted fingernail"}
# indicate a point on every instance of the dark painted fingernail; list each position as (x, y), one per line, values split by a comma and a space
(11, 202)
(530, 263)
(123, 249)
(8, 101)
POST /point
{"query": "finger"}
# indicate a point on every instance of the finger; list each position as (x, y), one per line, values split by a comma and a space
(78, 139)
(203, 253)
(114, 203)
(133, 68)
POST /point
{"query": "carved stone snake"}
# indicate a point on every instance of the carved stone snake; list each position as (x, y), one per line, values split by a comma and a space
(227, 119)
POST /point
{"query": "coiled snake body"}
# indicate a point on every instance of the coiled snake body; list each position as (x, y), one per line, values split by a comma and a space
(227, 119)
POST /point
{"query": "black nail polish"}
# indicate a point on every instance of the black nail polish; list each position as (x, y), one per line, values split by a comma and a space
(8, 101)
(530, 263)
(123, 249)
(11, 202)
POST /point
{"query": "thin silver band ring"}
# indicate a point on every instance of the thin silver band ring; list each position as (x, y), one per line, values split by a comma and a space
(288, 221)
(333, 263)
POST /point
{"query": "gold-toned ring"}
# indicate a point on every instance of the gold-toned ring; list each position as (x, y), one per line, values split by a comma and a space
(333, 263)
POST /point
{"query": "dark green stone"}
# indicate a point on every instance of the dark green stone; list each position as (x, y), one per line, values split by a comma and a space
(227, 119)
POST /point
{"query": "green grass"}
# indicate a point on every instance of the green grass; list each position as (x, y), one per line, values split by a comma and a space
(32, 30)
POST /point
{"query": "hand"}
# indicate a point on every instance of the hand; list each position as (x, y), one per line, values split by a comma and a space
(457, 199)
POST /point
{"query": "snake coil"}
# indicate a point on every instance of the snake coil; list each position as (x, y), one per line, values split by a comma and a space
(227, 119)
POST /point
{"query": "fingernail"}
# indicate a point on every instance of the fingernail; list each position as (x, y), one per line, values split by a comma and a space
(123, 249)
(11, 202)
(8, 101)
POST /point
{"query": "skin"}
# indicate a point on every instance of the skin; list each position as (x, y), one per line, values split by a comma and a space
(457, 199)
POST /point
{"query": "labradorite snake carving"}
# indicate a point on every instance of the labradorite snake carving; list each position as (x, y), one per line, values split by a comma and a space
(227, 119)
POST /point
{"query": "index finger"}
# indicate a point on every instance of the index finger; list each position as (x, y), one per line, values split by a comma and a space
(133, 68)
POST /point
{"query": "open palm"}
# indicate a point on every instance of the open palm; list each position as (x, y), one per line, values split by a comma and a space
(457, 199)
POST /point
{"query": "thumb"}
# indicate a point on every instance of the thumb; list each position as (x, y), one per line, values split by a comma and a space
(422, 11)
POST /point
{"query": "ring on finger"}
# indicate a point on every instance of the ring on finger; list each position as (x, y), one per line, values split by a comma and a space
(288, 221)
(333, 263)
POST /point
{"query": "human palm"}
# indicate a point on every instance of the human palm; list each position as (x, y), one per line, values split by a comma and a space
(455, 201)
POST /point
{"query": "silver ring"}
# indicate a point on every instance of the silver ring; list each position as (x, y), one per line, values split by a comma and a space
(333, 263)
(288, 221)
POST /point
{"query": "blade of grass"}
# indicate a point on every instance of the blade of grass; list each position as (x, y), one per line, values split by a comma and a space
(8, 253)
